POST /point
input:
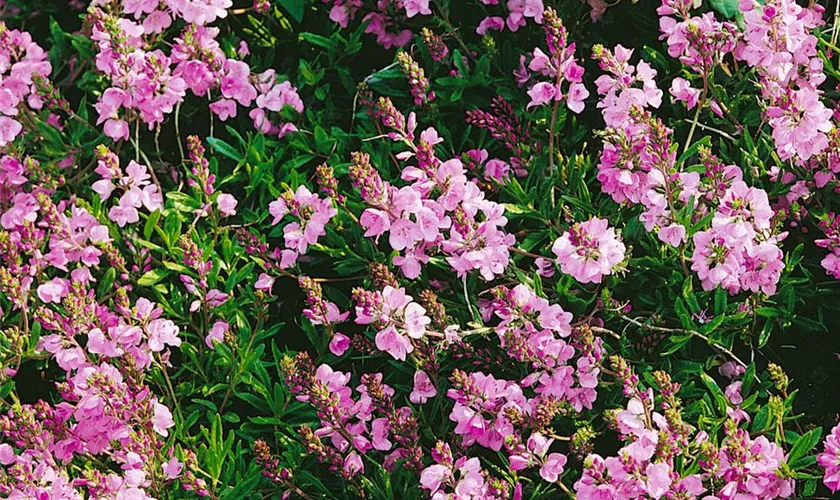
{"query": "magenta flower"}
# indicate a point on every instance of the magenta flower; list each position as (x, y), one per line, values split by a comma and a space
(829, 460)
(423, 388)
(589, 251)
(216, 334)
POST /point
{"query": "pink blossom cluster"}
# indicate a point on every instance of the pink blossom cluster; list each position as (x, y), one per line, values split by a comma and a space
(353, 425)
(157, 15)
(741, 467)
(518, 13)
(22, 62)
(462, 478)
(440, 208)
(401, 322)
(563, 363)
(482, 407)
(590, 250)
(146, 84)
(384, 18)
(740, 251)
(105, 412)
(829, 460)
(322, 312)
(623, 86)
(778, 43)
(699, 42)
(643, 467)
(559, 66)
(830, 226)
(311, 214)
(134, 186)
(536, 453)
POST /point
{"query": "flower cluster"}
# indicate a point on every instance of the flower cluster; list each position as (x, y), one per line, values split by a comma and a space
(623, 86)
(135, 187)
(589, 250)
(778, 43)
(638, 165)
(311, 214)
(459, 478)
(558, 66)
(415, 218)
(518, 13)
(563, 363)
(400, 321)
(24, 61)
(353, 425)
(385, 18)
(829, 460)
(644, 468)
(106, 414)
(146, 85)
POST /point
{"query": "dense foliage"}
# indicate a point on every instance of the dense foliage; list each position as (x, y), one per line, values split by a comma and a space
(411, 249)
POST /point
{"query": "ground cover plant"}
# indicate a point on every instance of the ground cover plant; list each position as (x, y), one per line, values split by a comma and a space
(413, 249)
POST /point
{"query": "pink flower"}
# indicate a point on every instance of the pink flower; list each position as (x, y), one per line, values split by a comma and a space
(7, 454)
(173, 468)
(339, 344)
(227, 204)
(414, 7)
(673, 235)
(353, 464)
(589, 251)
(264, 283)
(575, 97)
(162, 332)
(9, 130)
(216, 334)
(423, 388)
(491, 23)
(53, 290)
(541, 93)
(392, 342)
(553, 467)
(224, 108)
(162, 419)
(682, 91)
(659, 479)
(416, 320)
(115, 129)
(829, 460)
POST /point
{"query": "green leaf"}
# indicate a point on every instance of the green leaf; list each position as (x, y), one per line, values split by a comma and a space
(106, 282)
(683, 314)
(151, 222)
(152, 277)
(728, 8)
(294, 8)
(804, 444)
(224, 148)
(720, 301)
(320, 41)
